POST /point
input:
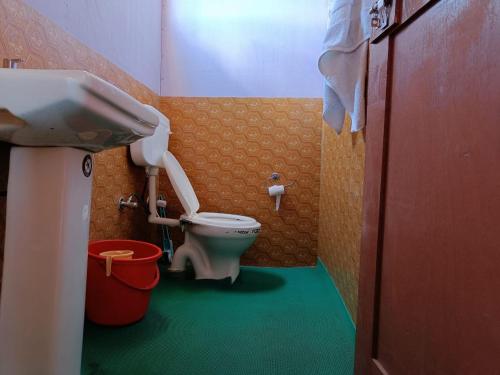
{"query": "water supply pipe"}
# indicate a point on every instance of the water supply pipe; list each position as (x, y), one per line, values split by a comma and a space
(154, 218)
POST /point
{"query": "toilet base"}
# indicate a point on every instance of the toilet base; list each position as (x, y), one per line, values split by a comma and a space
(217, 259)
(229, 270)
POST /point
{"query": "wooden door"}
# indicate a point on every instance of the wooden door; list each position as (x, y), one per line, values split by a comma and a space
(430, 261)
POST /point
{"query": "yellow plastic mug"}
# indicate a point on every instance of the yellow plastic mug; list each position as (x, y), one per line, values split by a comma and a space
(115, 254)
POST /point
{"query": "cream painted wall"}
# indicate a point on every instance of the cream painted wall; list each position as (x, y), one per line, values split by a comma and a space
(127, 32)
(242, 48)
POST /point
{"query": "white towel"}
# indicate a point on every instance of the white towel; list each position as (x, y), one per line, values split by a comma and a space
(343, 62)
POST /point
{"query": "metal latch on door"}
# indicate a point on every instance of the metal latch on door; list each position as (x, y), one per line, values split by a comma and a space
(379, 13)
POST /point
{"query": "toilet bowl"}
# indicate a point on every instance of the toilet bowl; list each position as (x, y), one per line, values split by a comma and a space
(214, 242)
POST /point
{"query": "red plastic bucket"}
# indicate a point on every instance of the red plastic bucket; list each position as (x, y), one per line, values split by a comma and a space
(123, 297)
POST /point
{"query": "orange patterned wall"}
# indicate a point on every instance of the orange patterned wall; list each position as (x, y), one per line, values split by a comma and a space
(339, 240)
(26, 34)
(229, 147)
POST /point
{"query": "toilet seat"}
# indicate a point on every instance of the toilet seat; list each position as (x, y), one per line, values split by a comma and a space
(222, 220)
(218, 225)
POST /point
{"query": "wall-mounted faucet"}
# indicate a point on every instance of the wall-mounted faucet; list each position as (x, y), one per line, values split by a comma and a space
(12, 63)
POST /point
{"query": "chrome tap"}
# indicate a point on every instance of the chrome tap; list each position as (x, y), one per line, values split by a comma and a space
(129, 203)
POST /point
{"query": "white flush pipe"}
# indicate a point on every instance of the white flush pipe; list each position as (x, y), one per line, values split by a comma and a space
(154, 218)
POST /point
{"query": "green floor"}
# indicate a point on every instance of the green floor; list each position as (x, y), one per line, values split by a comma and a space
(271, 321)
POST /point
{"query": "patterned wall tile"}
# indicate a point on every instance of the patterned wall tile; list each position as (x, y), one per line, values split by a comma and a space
(26, 34)
(229, 147)
(342, 173)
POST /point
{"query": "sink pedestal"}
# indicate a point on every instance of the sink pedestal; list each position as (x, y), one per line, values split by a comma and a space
(45, 261)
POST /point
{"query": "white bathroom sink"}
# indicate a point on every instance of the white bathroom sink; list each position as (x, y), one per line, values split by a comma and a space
(69, 108)
(59, 116)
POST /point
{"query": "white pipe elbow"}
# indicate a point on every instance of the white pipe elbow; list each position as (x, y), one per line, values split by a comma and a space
(163, 221)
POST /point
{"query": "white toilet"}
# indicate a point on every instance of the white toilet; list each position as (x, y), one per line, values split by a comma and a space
(213, 242)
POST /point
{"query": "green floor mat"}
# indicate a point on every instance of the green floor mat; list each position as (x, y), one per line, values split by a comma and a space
(271, 321)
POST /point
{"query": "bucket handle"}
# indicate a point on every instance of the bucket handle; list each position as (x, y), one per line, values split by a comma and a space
(145, 288)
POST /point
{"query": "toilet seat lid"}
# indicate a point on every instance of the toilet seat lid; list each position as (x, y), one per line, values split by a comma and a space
(180, 183)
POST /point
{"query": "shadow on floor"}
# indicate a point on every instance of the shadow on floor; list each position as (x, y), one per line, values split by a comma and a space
(249, 281)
